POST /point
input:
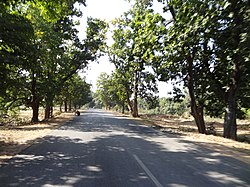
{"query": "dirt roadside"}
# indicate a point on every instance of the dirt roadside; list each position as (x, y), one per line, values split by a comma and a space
(188, 130)
(14, 139)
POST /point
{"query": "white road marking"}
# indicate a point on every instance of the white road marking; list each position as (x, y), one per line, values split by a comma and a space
(148, 172)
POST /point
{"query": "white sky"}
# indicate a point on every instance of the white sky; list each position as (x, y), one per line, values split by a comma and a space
(108, 10)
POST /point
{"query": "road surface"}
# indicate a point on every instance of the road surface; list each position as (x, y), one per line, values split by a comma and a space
(100, 149)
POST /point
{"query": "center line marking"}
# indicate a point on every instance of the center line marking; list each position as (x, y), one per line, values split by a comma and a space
(151, 176)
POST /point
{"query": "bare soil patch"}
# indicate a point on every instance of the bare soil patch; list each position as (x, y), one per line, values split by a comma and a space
(18, 136)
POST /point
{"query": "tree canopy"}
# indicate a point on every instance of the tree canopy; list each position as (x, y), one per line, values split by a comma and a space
(40, 51)
(204, 45)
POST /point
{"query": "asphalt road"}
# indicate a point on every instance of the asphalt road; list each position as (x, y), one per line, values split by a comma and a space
(100, 149)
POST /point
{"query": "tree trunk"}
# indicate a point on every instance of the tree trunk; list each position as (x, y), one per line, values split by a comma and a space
(135, 93)
(130, 108)
(123, 107)
(65, 106)
(70, 105)
(48, 108)
(47, 112)
(34, 100)
(135, 106)
(196, 108)
(35, 109)
(230, 126)
(51, 111)
(197, 113)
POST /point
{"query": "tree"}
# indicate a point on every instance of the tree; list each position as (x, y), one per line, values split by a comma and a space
(185, 41)
(118, 90)
(136, 36)
(57, 59)
(51, 53)
(231, 70)
(102, 89)
(16, 35)
(75, 93)
(207, 49)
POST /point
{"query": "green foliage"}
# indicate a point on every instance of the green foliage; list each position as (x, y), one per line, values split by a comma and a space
(40, 50)
(16, 35)
(103, 92)
(207, 46)
(165, 106)
(173, 107)
(75, 91)
(109, 90)
(96, 36)
(137, 38)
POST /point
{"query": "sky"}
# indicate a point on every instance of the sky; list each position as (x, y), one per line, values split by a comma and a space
(108, 10)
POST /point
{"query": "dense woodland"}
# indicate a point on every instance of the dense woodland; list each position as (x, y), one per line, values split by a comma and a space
(201, 44)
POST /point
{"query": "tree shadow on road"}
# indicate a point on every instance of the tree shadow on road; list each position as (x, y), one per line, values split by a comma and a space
(116, 153)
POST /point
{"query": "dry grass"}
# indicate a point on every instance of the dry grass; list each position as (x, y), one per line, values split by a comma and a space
(18, 136)
(187, 127)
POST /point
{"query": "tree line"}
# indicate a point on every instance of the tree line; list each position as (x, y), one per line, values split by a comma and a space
(41, 53)
(205, 45)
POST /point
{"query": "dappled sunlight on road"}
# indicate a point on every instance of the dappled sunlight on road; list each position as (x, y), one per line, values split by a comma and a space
(225, 178)
(98, 149)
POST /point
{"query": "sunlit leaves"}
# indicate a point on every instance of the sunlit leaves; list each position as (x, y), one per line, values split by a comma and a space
(39, 46)
(96, 36)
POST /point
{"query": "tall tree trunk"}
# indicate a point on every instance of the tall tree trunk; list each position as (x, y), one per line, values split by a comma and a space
(47, 112)
(135, 93)
(65, 106)
(197, 113)
(70, 105)
(48, 108)
(130, 108)
(34, 100)
(230, 126)
(35, 109)
(135, 108)
(51, 112)
(196, 108)
(123, 107)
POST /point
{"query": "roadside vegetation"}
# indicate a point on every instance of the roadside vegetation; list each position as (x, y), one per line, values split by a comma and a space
(200, 44)
(41, 55)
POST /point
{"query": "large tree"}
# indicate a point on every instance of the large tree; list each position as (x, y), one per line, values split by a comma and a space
(186, 43)
(16, 51)
(50, 54)
(137, 36)
(207, 48)
(231, 68)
